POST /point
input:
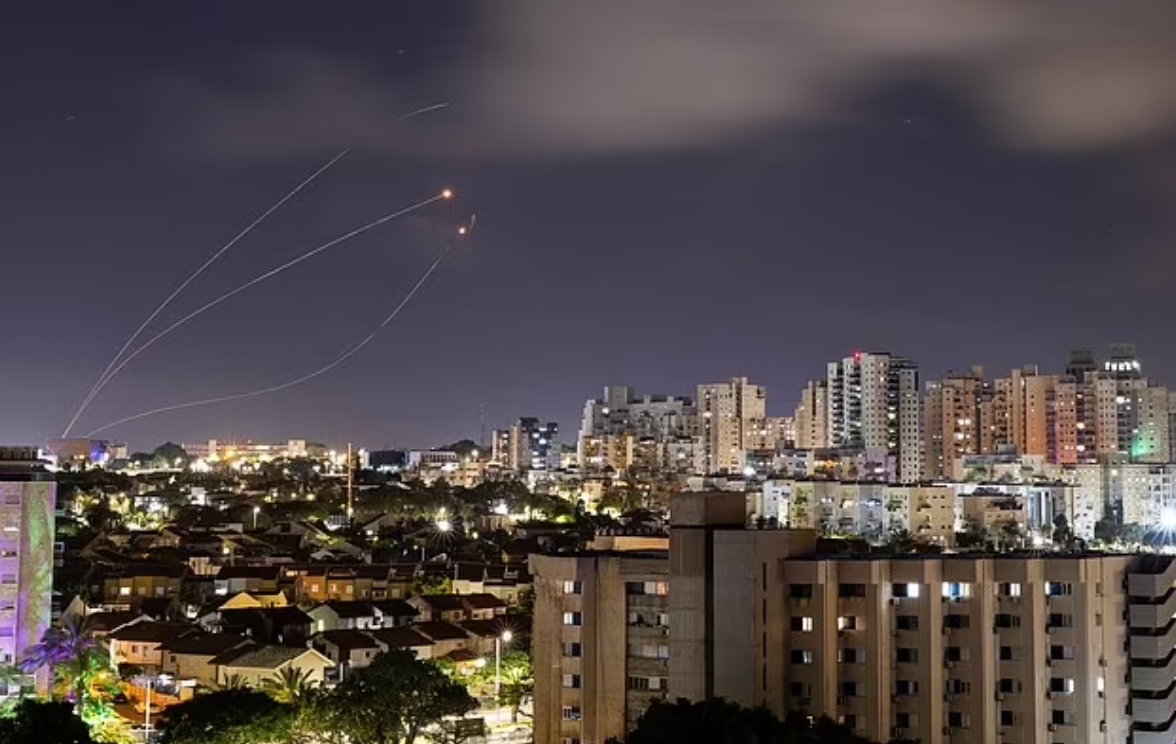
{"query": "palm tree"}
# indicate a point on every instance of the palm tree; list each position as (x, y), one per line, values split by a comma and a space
(289, 685)
(74, 657)
(232, 682)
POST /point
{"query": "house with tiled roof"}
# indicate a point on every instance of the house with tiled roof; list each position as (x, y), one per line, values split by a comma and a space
(254, 664)
(457, 607)
(251, 579)
(138, 644)
(348, 649)
(446, 637)
(188, 657)
(404, 638)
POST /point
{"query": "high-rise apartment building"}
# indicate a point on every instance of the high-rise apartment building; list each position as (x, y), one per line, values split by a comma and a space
(621, 411)
(28, 498)
(528, 445)
(1038, 415)
(1172, 426)
(875, 402)
(727, 414)
(621, 420)
(1119, 414)
(954, 409)
(601, 643)
(812, 416)
(943, 649)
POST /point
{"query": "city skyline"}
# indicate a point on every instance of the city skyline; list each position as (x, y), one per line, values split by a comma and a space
(920, 383)
(771, 242)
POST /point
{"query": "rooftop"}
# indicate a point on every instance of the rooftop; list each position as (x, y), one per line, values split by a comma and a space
(259, 657)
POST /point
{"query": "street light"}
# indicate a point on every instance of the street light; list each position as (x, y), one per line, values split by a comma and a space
(498, 641)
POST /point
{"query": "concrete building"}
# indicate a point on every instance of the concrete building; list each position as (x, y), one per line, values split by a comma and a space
(601, 642)
(727, 412)
(527, 445)
(875, 401)
(812, 416)
(954, 422)
(941, 649)
(621, 411)
(28, 500)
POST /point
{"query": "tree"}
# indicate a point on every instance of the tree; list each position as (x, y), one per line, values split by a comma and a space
(234, 716)
(168, 453)
(291, 685)
(720, 722)
(43, 722)
(516, 677)
(902, 541)
(74, 656)
(393, 701)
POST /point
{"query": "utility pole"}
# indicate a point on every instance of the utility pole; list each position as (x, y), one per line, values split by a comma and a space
(350, 484)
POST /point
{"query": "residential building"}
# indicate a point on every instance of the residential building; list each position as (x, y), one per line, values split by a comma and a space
(601, 642)
(189, 656)
(251, 579)
(954, 425)
(620, 412)
(404, 638)
(940, 648)
(457, 607)
(347, 649)
(728, 412)
(527, 445)
(140, 644)
(28, 501)
(254, 664)
(812, 416)
(361, 615)
(131, 583)
(1172, 426)
(875, 401)
(1130, 416)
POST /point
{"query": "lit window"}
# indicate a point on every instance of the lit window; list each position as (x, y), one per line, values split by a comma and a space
(956, 590)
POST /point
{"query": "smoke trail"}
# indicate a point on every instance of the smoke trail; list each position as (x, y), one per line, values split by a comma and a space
(352, 351)
(102, 379)
(425, 110)
(267, 275)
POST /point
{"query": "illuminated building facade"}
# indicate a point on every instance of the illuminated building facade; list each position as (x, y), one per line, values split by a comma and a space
(727, 412)
(875, 401)
(28, 496)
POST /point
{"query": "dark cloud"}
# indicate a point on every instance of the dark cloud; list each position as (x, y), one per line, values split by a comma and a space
(564, 77)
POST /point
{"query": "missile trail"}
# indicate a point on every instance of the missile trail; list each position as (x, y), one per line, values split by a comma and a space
(111, 369)
(425, 110)
(350, 352)
(270, 274)
(101, 381)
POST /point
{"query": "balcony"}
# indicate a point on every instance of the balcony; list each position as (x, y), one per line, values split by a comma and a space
(1154, 647)
(1152, 577)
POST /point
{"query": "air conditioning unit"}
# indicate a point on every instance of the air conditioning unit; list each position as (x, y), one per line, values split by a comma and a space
(843, 700)
(894, 601)
(1052, 727)
(1000, 696)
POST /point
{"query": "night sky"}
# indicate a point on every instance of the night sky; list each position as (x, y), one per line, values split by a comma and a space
(667, 192)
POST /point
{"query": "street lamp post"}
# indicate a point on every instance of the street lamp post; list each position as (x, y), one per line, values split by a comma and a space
(147, 714)
(256, 511)
(498, 641)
